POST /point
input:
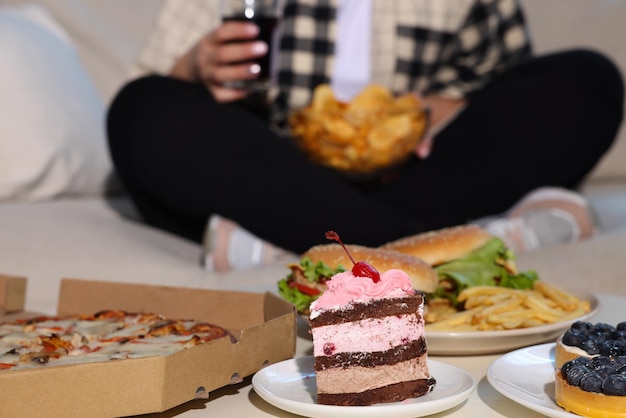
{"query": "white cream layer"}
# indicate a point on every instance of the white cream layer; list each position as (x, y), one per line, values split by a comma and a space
(360, 379)
(579, 352)
(372, 334)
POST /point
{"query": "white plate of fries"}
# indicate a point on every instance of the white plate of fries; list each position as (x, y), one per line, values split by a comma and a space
(498, 319)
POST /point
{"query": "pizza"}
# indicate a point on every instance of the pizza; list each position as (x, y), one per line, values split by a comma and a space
(104, 336)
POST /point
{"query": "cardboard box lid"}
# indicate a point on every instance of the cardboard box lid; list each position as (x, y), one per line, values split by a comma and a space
(233, 310)
(12, 293)
(264, 324)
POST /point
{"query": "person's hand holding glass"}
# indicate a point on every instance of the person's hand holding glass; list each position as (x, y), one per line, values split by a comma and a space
(234, 60)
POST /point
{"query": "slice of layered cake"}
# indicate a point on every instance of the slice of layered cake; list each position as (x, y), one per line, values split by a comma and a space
(368, 337)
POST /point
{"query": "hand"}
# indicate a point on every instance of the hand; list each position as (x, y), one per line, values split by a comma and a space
(225, 55)
(442, 112)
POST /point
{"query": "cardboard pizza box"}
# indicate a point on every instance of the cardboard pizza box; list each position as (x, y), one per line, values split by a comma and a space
(12, 293)
(263, 324)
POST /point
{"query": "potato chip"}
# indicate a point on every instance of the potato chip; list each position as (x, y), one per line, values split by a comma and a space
(324, 100)
(406, 101)
(373, 100)
(389, 131)
(338, 129)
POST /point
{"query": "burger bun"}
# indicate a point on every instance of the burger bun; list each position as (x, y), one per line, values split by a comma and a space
(443, 245)
(422, 276)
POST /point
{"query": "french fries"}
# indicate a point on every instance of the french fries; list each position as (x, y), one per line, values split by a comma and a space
(500, 308)
(372, 131)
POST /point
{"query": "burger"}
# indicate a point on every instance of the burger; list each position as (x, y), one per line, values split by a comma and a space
(465, 256)
(307, 279)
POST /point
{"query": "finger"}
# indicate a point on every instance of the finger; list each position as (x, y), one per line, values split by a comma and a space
(425, 146)
(232, 31)
(227, 74)
(227, 44)
(224, 95)
(219, 74)
(229, 90)
(225, 59)
(239, 52)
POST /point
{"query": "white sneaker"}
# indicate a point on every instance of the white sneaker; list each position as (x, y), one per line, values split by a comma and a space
(230, 247)
(545, 217)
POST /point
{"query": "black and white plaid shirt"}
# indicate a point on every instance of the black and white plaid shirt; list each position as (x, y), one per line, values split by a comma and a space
(448, 47)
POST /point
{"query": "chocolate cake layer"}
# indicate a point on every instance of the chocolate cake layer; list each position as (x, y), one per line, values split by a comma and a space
(397, 354)
(391, 393)
(375, 309)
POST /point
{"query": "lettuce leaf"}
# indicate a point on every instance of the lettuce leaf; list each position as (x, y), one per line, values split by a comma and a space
(484, 266)
(314, 272)
(293, 295)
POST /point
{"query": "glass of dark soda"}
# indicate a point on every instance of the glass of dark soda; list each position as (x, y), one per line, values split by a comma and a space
(266, 14)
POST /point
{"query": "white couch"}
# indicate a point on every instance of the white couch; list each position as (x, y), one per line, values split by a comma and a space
(53, 227)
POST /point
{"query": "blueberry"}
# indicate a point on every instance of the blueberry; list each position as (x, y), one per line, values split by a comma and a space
(599, 361)
(573, 339)
(578, 361)
(621, 326)
(620, 335)
(566, 366)
(611, 348)
(582, 361)
(602, 326)
(621, 359)
(615, 385)
(602, 330)
(605, 371)
(575, 374)
(591, 346)
(591, 382)
(583, 327)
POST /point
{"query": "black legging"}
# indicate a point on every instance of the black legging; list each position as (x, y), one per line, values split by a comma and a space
(183, 157)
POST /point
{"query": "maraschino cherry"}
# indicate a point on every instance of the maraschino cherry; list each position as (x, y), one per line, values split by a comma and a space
(359, 269)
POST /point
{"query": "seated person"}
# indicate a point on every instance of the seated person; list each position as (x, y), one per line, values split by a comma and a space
(512, 134)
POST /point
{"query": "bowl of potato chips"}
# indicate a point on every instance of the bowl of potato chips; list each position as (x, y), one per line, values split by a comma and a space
(370, 134)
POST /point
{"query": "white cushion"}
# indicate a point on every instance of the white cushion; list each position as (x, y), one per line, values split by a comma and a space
(52, 135)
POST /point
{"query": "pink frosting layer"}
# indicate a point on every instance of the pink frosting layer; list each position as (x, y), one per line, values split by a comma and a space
(373, 334)
(345, 288)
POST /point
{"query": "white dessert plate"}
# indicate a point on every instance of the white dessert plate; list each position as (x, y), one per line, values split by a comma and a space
(491, 342)
(290, 385)
(526, 376)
